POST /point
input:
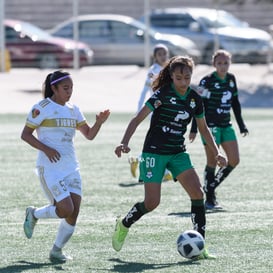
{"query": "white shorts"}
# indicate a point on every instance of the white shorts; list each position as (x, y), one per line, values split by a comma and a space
(58, 189)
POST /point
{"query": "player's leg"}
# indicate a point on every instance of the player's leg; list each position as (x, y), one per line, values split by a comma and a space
(152, 169)
(66, 228)
(232, 152)
(190, 182)
(151, 201)
(230, 146)
(67, 209)
(209, 180)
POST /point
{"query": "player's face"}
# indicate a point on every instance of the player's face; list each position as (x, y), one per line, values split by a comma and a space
(181, 79)
(63, 91)
(161, 56)
(222, 63)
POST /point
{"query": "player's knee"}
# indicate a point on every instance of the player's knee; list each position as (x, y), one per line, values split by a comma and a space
(234, 162)
(151, 204)
(65, 212)
(198, 194)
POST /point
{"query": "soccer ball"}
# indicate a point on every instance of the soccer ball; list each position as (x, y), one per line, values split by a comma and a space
(190, 244)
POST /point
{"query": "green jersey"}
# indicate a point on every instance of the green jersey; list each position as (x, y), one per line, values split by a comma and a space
(172, 113)
(218, 96)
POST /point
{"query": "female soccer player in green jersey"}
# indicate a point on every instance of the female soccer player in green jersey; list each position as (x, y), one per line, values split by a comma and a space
(220, 94)
(173, 105)
(55, 120)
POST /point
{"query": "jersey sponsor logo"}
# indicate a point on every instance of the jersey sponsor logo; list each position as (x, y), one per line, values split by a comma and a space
(35, 112)
(173, 100)
(226, 96)
(182, 115)
(157, 103)
(217, 85)
(67, 138)
(165, 129)
(222, 111)
(59, 122)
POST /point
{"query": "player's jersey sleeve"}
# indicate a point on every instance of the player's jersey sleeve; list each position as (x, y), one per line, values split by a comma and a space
(81, 120)
(36, 115)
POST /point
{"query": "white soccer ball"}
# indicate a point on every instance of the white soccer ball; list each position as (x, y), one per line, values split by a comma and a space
(190, 244)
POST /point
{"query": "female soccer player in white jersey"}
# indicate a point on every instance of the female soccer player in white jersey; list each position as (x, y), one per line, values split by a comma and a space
(55, 120)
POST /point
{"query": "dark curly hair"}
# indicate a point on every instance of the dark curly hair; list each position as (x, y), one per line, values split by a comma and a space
(164, 77)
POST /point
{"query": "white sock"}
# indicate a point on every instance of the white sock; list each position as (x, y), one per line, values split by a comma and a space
(64, 233)
(48, 211)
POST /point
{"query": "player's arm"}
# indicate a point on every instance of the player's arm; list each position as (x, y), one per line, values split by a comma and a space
(131, 128)
(236, 107)
(205, 132)
(193, 130)
(27, 136)
(91, 132)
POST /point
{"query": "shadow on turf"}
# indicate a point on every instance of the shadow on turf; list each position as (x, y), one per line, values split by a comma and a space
(130, 184)
(188, 214)
(23, 266)
(124, 266)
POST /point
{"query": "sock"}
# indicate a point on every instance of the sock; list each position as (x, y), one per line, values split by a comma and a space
(65, 232)
(209, 183)
(222, 174)
(137, 211)
(198, 216)
(48, 211)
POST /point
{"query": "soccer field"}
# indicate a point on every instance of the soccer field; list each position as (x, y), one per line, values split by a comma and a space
(241, 235)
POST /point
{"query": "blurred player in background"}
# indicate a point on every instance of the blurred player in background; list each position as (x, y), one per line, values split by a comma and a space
(160, 58)
(220, 93)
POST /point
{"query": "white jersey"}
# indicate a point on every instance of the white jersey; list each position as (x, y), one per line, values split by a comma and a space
(153, 72)
(56, 126)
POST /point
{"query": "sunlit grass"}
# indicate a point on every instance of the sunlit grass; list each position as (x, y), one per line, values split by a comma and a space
(241, 235)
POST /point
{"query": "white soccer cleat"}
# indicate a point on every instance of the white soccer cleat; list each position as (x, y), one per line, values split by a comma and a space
(58, 256)
(30, 222)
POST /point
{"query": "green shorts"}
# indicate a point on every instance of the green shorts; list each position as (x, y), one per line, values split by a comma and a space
(152, 166)
(222, 134)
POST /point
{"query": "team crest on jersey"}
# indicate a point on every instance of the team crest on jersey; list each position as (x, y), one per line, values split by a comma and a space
(157, 103)
(231, 84)
(149, 174)
(35, 112)
(192, 103)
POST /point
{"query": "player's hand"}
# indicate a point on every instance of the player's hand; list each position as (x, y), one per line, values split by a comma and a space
(52, 155)
(221, 160)
(192, 137)
(244, 132)
(122, 149)
(102, 116)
